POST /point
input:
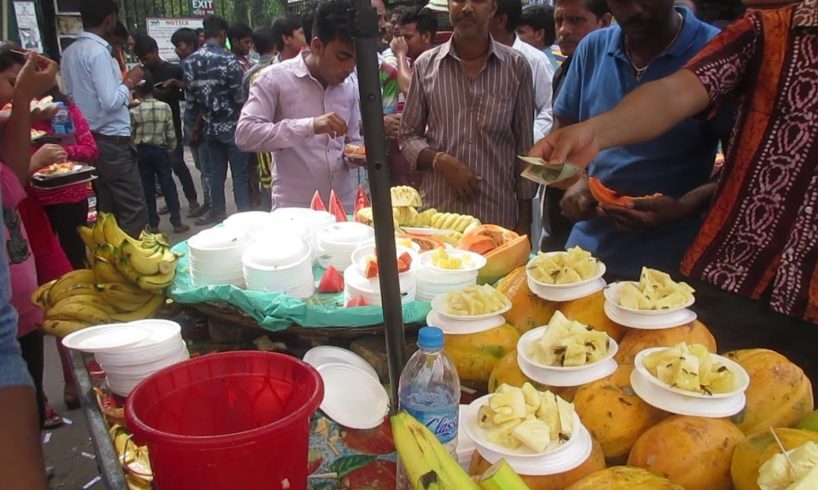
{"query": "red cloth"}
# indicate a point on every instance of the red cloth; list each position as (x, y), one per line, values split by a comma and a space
(49, 257)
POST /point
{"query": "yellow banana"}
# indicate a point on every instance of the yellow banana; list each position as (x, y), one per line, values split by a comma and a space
(106, 251)
(155, 283)
(146, 311)
(93, 300)
(450, 221)
(142, 261)
(124, 297)
(61, 328)
(77, 312)
(106, 272)
(40, 295)
(69, 279)
(75, 289)
(87, 235)
(97, 231)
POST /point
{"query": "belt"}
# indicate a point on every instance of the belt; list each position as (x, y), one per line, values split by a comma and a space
(126, 140)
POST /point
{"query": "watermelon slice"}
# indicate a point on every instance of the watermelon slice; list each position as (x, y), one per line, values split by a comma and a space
(371, 269)
(361, 201)
(336, 208)
(317, 204)
(356, 301)
(331, 281)
(404, 262)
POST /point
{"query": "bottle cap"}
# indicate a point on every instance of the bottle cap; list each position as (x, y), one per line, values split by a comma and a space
(430, 338)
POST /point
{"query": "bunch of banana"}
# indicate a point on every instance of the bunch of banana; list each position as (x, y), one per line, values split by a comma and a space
(431, 218)
(427, 463)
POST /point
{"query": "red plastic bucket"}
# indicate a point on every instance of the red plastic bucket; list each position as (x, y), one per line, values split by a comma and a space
(235, 420)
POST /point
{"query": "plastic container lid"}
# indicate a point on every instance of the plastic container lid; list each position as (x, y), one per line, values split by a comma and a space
(430, 338)
(352, 397)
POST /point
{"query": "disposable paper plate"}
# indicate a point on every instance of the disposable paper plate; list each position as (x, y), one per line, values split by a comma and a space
(105, 338)
(352, 397)
(250, 221)
(685, 405)
(439, 305)
(550, 293)
(562, 458)
(344, 235)
(325, 354)
(599, 273)
(648, 322)
(741, 376)
(314, 219)
(144, 355)
(477, 261)
(218, 239)
(612, 295)
(160, 331)
(534, 335)
(446, 278)
(415, 230)
(553, 377)
(458, 327)
(465, 446)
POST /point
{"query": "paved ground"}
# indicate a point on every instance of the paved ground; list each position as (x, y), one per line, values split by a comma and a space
(68, 449)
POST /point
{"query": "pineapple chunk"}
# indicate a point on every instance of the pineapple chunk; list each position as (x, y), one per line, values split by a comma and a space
(654, 291)
(532, 396)
(568, 343)
(777, 474)
(566, 417)
(573, 265)
(574, 355)
(503, 435)
(508, 406)
(549, 413)
(691, 368)
(533, 433)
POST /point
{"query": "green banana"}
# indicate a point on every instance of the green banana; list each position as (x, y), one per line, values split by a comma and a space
(146, 311)
(124, 297)
(77, 312)
(105, 271)
(427, 463)
(61, 328)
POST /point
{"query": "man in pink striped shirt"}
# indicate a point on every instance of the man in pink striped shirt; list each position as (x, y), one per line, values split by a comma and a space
(468, 113)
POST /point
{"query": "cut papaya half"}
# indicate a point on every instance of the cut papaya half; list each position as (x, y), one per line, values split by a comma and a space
(425, 243)
(607, 196)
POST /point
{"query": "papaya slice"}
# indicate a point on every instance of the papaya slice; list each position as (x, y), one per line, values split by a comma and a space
(425, 243)
(606, 195)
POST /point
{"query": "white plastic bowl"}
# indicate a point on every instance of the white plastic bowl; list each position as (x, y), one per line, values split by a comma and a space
(741, 376)
(599, 273)
(535, 334)
(179, 353)
(439, 305)
(612, 295)
(477, 261)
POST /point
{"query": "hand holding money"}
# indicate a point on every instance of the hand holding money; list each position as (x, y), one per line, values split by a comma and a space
(553, 174)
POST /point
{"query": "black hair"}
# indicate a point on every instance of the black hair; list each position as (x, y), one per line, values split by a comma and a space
(8, 56)
(540, 17)
(264, 40)
(239, 31)
(145, 87)
(513, 10)
(307, 20)
(214, 26)
(185, 35)
(332, 22)
(94, 12)
(400, 11)
(199, 31)
(120, 31)
(285, 25)
(597, 7)
(143, 45)
(424, 20)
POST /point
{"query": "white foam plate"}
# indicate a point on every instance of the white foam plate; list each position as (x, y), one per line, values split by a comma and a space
(648, 322)
(160, 330)
(599, 273)
(325, 354)
(425, 231)
(250, 221)
(553, 377)
(612, 295)
(685, 405)
(106, 338)
(352, 397)
(439, 305)
(465, 445)
(477, 261)
(741, 376)
(563, 293)
(459, 327)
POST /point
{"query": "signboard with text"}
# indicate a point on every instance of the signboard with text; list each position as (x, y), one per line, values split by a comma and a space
(202, 7)
(162, 29)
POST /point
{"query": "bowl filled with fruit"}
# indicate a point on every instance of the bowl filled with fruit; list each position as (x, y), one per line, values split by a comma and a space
(565, 276)
(471, 303)
(365, 260)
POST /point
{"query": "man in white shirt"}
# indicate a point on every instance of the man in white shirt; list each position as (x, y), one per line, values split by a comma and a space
(503, 27)
(91, 77)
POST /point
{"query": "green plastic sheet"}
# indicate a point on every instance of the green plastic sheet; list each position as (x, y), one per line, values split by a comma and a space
(274, 311)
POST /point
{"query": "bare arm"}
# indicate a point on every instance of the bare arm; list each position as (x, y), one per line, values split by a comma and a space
(404, 74)
(21, 455)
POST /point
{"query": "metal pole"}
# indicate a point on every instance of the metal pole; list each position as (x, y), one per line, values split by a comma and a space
(364, 21)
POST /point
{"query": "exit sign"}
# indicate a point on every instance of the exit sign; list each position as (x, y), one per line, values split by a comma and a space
(202, 7)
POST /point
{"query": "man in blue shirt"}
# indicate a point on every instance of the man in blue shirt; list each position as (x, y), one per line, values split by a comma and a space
(213, 78)
(91, 77)
(652, 40)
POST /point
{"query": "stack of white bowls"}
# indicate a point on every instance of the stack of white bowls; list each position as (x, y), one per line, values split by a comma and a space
(356, 283)
(337, 241)
(251, 222)
(283, 265)
(126, 367)
(215, 256)
(433, 281)
(303, 217)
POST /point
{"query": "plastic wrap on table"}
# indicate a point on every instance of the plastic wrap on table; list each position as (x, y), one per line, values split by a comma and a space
(350, 458)
(275, 311)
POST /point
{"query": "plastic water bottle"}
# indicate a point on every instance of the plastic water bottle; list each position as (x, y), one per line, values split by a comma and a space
(61, 123)
(429, 390)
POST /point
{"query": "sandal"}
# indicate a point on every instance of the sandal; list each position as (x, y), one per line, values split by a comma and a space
(69, 396)
(52, 419)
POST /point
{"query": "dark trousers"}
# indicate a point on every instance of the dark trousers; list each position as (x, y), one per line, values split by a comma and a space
(31, 347)
(556, 227)
(183, 174)
(154, 163)
(118, 185)
(64, 219)
(219, 150)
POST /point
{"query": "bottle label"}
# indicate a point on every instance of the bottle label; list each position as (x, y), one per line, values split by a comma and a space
(442, 422)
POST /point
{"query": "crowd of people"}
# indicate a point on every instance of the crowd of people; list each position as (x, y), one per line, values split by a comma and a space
(641, 94)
